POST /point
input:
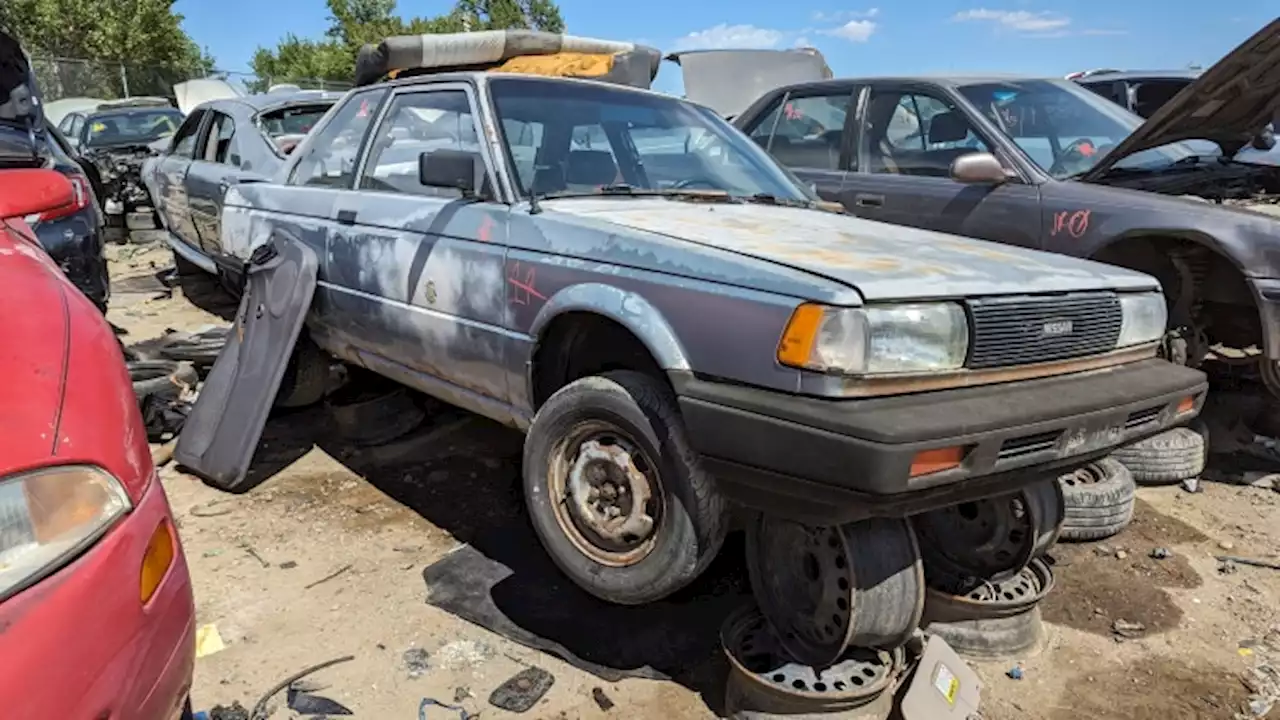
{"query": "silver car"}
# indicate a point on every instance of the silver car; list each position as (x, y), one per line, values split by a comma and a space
(677, 323)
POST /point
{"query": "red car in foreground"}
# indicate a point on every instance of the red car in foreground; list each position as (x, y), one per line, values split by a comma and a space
(96, 614)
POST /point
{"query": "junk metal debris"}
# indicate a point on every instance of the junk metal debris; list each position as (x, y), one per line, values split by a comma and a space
(428, 703)
(306, 703)
(523, 690)
(602, 700)
(260, 708)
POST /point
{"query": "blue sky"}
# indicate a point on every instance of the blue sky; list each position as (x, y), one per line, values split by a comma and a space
(1050, 37)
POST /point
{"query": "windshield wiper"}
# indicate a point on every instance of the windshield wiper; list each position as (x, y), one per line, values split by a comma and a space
(770, 199)
(623, 189)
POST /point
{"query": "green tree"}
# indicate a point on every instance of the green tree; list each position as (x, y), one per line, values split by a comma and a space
(352, 23)
(143, 37)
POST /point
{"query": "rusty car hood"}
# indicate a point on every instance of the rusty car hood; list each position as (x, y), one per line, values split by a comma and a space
(728, 81)
(879, 260)
(1228, 104)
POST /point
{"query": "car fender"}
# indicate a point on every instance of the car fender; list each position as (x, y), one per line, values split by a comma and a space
(624, 307)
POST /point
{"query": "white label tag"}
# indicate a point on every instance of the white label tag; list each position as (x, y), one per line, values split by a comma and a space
(946, 683)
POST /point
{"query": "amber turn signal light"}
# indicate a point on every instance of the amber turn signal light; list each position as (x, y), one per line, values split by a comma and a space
(156, 561)
(928, 462)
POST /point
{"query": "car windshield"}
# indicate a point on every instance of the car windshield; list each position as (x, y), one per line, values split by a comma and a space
(1066, 129)
(297, 120)
(136, 127)
(577, 138)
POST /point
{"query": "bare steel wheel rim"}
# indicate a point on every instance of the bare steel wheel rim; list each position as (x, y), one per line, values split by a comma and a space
(989, 538)
(606, 494)
(809, 587)
(1088, 475)
(756, 656)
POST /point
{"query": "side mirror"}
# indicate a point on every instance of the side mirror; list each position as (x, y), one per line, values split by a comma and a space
(1264, 140)
(29, 192)
(978, 168)
(455, 169)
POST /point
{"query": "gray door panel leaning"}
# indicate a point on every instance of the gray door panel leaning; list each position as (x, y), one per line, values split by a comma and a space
(223, 429)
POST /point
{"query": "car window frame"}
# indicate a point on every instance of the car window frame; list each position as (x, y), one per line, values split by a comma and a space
(209, 133)
(1006, 151)
(846, 158)
(295, 158)
(200, 116)
(382, 117)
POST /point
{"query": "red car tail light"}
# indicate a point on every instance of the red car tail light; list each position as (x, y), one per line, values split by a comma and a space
(82, 195)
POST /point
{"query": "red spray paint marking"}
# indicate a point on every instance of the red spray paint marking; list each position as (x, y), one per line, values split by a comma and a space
(522, 280)
(1075, 224)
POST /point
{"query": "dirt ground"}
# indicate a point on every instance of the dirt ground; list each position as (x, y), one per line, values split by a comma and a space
(379, 518)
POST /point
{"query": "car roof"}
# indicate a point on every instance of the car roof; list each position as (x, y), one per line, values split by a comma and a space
(945, 80)
(480, 76)
(1140, 75)
(113, 112)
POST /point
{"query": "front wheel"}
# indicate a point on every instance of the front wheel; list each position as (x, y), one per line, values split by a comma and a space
(616, 493)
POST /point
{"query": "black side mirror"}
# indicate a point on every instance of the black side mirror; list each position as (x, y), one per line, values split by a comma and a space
(455, 169)
(1264, 140)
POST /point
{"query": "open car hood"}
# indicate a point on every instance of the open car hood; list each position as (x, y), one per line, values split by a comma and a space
(193, 92)
(728, 81)
(1228, 104)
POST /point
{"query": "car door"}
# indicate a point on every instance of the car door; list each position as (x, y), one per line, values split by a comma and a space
(417, 271)
(175, 210)
(215, 167)
(805, 130)
(909, 137)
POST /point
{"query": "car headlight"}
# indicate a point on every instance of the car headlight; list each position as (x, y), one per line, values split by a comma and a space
(1143, 317)
(907, 338)
(50, 515)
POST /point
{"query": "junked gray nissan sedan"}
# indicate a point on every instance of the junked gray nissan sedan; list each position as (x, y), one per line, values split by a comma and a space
(677, 323)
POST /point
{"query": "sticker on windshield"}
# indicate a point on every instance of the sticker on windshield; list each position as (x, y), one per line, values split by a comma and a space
(98, 127)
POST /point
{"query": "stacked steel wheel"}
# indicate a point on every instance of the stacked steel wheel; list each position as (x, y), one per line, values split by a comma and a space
(836, 607)
(839, 605)
(984, 570)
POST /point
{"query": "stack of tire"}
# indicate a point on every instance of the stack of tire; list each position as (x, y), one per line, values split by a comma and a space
(1099, 497)
(838, 606)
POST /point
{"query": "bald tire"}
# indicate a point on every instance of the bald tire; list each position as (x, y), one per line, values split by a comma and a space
(695, 516)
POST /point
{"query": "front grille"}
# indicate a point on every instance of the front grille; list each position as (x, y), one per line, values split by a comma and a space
(1024, 330)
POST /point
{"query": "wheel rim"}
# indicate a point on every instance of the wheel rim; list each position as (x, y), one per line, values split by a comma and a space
(606, 493)
(986, 538)
(755, 654)
(1088, 475)
(808, 588)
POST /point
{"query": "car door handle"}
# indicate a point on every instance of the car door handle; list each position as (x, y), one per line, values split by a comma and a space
(347, 217)
(867, 200)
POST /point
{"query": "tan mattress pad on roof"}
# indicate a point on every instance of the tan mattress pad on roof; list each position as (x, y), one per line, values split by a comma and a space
(564, 64)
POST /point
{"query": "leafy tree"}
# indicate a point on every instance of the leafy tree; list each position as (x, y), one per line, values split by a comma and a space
(352, 23)
(144, 37)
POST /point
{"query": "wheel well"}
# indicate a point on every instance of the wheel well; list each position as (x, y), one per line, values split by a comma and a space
(1204, 288)
(579, 344)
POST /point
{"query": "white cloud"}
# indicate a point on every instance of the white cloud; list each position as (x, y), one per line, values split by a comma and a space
(730, 36)
(843, 15)
(853, 31)
(801, 42)
(1019, 20)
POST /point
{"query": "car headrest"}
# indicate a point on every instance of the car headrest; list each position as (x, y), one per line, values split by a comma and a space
(591, 167)
(16, 90)
(948, 127)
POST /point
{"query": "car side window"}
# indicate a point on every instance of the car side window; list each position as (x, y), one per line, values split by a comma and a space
(331, 156)
(917, 134)
(806, 132)
(184, 141)
(1116, 92)
(417, 123)
(66, 124)
(220, 146)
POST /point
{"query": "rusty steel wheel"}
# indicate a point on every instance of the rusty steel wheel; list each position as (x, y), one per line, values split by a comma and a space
(989, 620)
(994, 538)
(829, 588)
(606, 493)
(765, 682)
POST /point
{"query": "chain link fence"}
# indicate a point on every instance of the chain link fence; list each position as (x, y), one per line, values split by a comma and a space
(69, 77)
